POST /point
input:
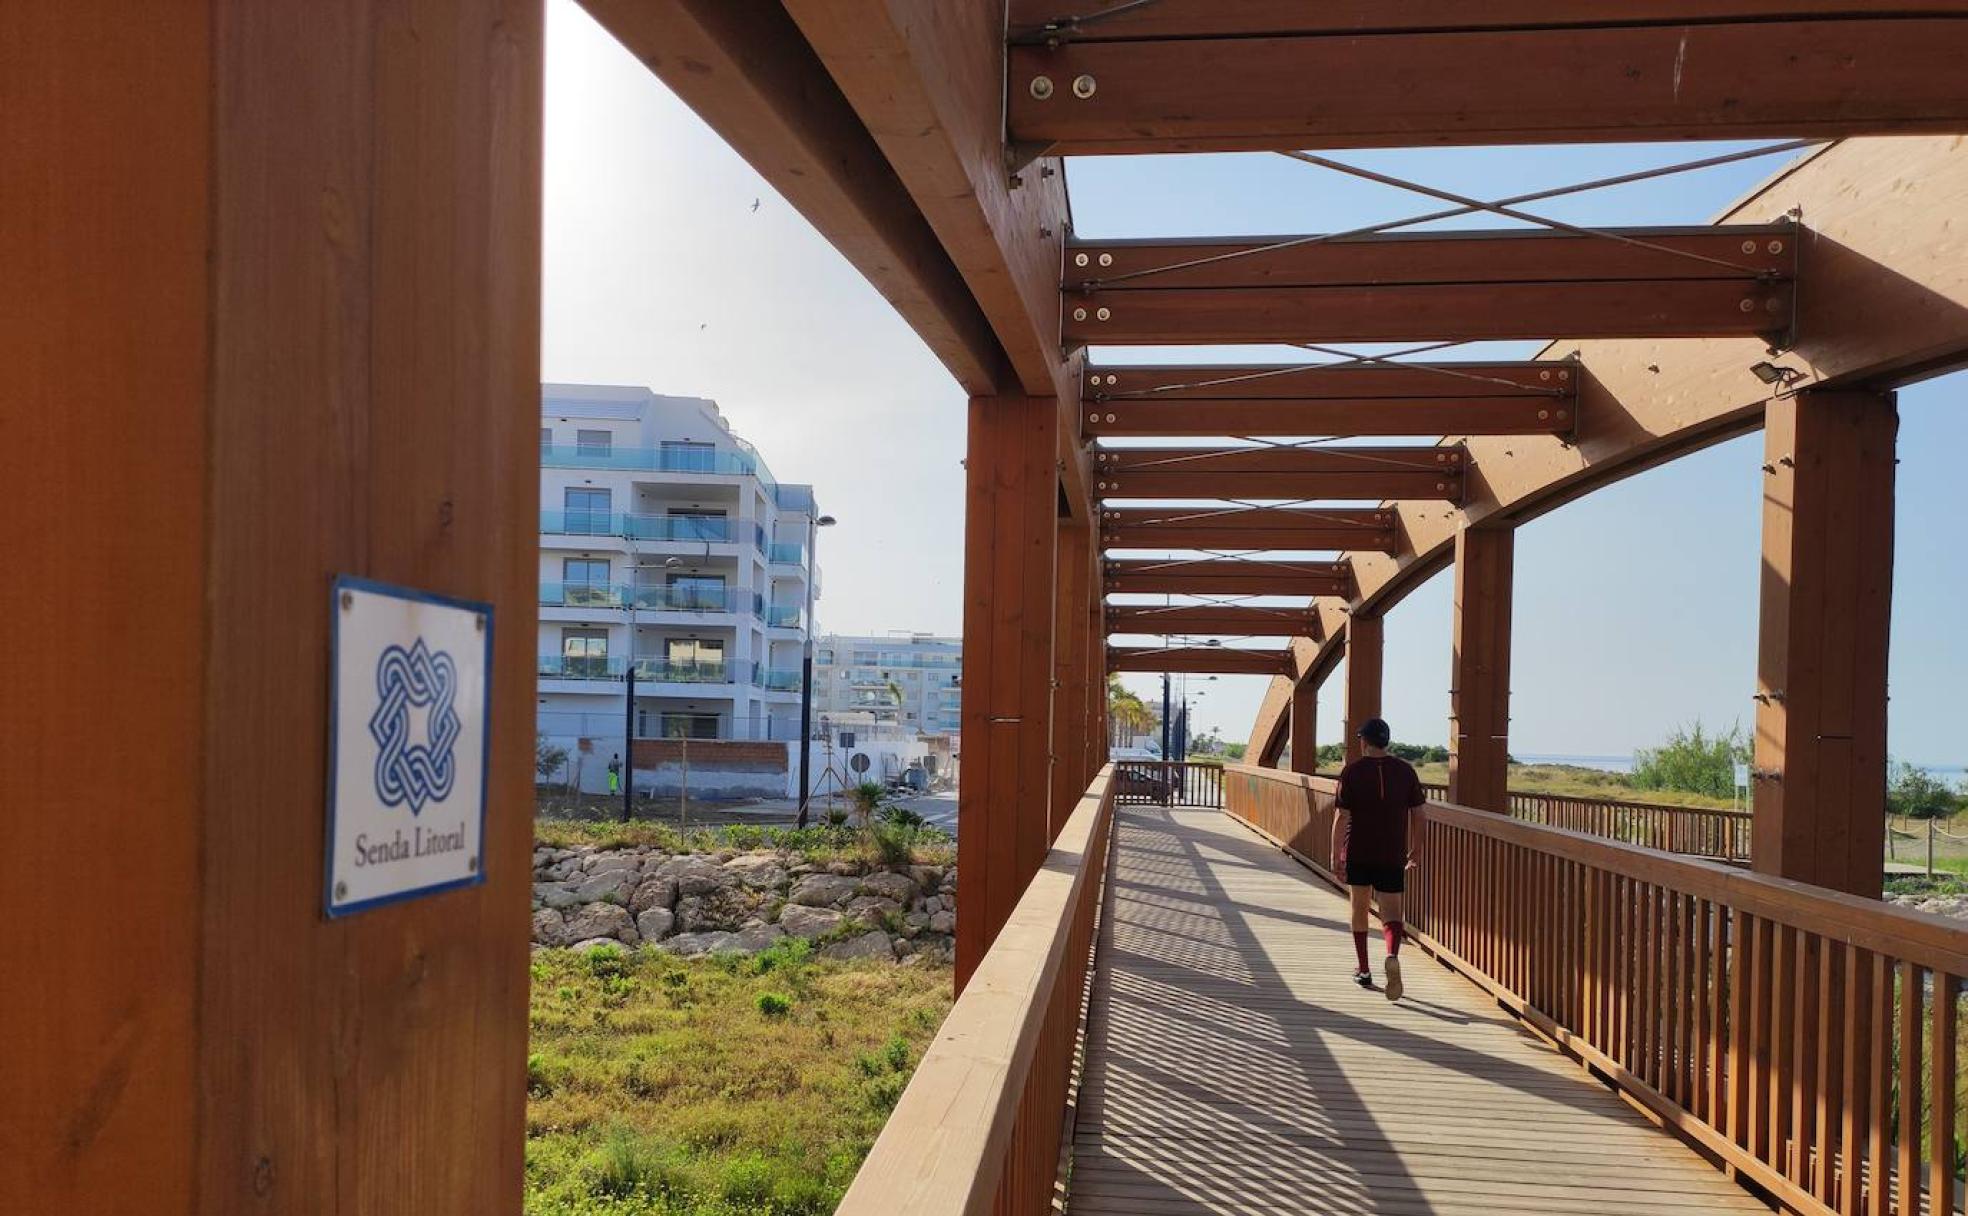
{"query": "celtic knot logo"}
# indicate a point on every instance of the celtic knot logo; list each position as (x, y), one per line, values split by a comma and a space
(414, 772)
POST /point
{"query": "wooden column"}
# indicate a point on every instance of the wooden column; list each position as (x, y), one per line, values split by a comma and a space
(1096, 643)
(1364, 635)
(1305, 727)
(1820, 775)
(1479, 692)
(274, 317)
(1072, 579)
(1011, 515)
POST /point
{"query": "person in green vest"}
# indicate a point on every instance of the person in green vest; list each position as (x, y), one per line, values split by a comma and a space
(615, 773)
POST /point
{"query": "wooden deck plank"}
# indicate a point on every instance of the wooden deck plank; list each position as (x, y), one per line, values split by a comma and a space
(1233, 1066)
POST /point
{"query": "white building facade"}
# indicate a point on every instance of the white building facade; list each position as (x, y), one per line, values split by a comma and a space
(908, 680)
(665, 542)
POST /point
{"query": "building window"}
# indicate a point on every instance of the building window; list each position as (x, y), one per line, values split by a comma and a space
(699, 525)
(587, 510)
(698, 592)
(682, 456)
(584, 653)
(694, 659)
(824, 658)
(546, 439)
(688, 726)
(593, 443)
(584, 580)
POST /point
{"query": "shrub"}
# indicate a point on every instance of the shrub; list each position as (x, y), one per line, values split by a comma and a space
(893, 844)
(901, 817)
(896, 1053)
(547, 758)
(1693, 760)
(786, 954)
(867, 798)
(1914, 792)
(627, 1164)
(774, 1004)
(605, 961)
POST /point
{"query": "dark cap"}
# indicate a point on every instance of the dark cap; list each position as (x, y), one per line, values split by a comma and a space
(1375, 732)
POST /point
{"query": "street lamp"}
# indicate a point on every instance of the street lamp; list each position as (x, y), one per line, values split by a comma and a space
(813, 527)
(628, 685)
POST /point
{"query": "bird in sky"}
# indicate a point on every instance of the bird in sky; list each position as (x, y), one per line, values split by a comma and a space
(755, 204)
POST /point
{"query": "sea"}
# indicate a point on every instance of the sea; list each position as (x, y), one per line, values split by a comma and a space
(1624, 764)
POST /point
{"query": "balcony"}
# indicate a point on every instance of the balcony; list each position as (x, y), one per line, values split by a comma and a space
(782, 616)
(579, 667)
(776, 679)
(638, 527)
(664, 671)
(794, 498)
(646, 599)
(652, 460)
(582, 595)
(786, 553)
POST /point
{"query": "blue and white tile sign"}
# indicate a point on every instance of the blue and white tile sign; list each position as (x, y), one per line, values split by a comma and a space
(408, 723)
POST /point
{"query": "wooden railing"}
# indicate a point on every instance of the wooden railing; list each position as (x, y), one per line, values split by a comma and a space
(1805, 1038)
(1697, 831)
(1168, 783)
(978, 1128)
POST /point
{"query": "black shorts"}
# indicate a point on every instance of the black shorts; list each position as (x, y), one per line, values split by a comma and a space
(1390, 880)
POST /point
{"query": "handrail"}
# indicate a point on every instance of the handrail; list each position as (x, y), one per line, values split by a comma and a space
(1718, 832)
(978, 1128)
(1766, 1020)
(1168, 783)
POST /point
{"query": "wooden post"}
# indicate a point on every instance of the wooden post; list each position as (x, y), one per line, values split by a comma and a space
(1364, 635)
(1305, 727)
(1821, 665)
(284, 270)
(1073, 579)
(1011, 505)
(1479, 695)
(1097, 726)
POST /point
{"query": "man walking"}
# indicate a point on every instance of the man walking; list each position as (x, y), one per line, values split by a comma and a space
(1375, 844)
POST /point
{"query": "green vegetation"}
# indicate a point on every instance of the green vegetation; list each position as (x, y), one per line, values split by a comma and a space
(1917, 794)
(1126, 710)
(1332, 755)
(547, 758)
(1234, 751)
(1693, 761)
(726, 1086)
(889, 843)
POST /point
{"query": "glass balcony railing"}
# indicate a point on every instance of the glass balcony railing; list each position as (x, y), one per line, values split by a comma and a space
(777, 679)
(582, 595)
(580, 523)
(637, 527)
(652, 460)
(786, 553)
(647, 599)
(579, 667)
(667, 672)
(782, 616)
(794, 498)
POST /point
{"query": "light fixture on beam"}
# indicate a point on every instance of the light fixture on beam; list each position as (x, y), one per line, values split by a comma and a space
(1775, 373)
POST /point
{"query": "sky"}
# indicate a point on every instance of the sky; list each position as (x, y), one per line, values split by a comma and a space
(1635, 607)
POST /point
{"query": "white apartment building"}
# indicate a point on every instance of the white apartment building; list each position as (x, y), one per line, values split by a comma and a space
(664, 538)
(909, 680)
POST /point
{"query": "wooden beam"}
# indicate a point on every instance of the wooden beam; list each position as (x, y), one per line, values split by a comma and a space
(1684, 308)
(1305, 728)
(1248, 528)
(1214, 660)
(1575, 83)
(1213, 577)
(1275, 459)
(1738, 252)
(1326, 381)
(926, 79)
(1888, 266)
(1479, 689)
(1011, 512)
(1367, 484)
(1821, 656)
(1254, 417)
(1210, 620)
(744, 67)
(1097, 20)
(1365, 635)
(1073, 585)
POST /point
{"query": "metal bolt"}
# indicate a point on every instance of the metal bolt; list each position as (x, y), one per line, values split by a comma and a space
(1101, 314)
(1083, 87)
(1749, 246)
(1776, 246)
(341, 890)
(1543, 414)
(471, 864)
(478, 619)
(1563, 375)
(1041, 87)
(1106, 259)
(1079, 314)
(1561, 415)
(1110, 417)
(1772, 304)
(348, 601)
(1748, 306)
(1094, 417)
(1544, 375)
(1079, 259)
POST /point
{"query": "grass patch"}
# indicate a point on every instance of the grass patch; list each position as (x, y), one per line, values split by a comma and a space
(887, 844)
(726, 1086)
(1573, 781)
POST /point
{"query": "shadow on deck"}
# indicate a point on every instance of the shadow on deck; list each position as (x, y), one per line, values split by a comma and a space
(1233, 1065)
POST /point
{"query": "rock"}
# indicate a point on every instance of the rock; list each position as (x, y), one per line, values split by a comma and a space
(696, 875)
(872, 909)
(556, 894)
(933, 904)
(689, 944)
(915, 922)
(603, 863)
(843, 869)
(549, 928)
(759, 871)
(756, 938)
(722, 909)
(873, 944)
(616, 885)
(944, 922)
(927, 877)
(542, 856)
(561, 870)
(601, 920)
(654, 924)
(656, 892)
(823, 890)
(802, 921)
(899, 888)
(593, 943)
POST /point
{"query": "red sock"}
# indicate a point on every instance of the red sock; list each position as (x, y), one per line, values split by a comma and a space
(1394, 936)
(1360, 947)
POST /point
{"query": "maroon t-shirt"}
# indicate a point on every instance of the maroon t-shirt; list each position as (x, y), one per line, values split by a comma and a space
(1377, 791)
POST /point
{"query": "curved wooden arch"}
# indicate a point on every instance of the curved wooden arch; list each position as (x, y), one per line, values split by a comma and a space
(1884, 303)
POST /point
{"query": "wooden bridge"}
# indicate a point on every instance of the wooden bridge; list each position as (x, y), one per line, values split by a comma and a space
(1168, 1025)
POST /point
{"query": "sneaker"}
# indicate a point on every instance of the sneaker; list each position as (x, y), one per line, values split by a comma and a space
(1393, 978)
(1364, 979)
